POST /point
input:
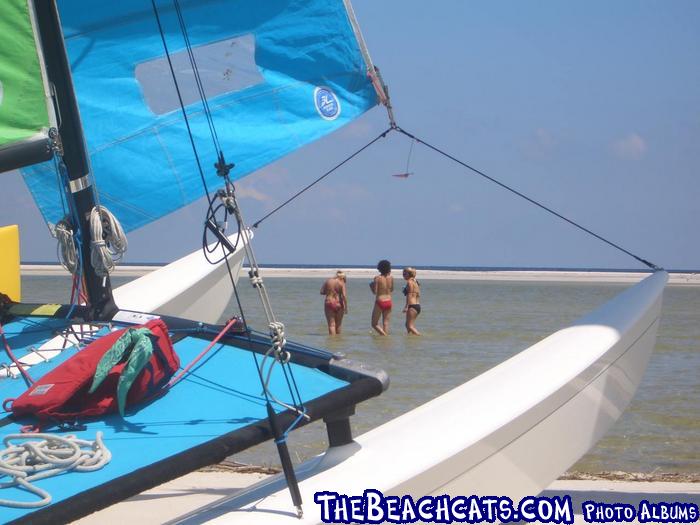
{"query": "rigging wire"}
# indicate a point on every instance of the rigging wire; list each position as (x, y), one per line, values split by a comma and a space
(212, 216)
(197, 77)
(276, 328)
(352, 156)
(222, 169)
(69, 248)
(211, 211)
(182, 104)
(415, 139)
(277, 350)
(406, 173)
(297, 402)
(228, 198)
(530, 200)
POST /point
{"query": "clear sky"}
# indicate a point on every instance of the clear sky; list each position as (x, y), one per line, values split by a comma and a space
(591, 107)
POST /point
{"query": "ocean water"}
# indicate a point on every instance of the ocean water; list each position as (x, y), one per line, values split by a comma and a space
(469, 327)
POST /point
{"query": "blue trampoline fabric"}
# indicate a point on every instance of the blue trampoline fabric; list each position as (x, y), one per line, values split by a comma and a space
(222, 394)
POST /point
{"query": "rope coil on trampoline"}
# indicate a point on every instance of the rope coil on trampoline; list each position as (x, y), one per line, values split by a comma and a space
(39, 456)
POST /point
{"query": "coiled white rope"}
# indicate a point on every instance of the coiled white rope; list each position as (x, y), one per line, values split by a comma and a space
(266, 381)
(104, 251)
(40, 456)
(67, 253)
(279, 341)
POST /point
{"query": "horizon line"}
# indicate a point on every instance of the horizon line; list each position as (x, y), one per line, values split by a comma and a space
(418, 267)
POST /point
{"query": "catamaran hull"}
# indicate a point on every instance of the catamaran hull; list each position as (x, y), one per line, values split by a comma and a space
(509, 432)
(190, 287)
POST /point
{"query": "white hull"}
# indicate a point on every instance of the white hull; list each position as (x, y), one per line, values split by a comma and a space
(189, 287)
(509, 432)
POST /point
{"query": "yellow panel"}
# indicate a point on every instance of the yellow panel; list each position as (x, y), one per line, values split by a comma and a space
(34, 309)
(10, 283)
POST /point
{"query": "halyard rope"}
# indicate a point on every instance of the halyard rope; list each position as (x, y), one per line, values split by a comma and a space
(67, 253)
(40, 456)
(108, 248)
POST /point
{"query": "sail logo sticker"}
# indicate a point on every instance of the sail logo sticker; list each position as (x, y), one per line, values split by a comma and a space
(327, 104)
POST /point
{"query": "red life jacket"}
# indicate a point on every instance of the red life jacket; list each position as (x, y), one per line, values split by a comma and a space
(62, 394)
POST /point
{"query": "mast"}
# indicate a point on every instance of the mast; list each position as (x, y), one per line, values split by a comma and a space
(81, 193)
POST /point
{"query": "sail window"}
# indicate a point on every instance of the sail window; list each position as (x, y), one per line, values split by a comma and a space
(225, 66)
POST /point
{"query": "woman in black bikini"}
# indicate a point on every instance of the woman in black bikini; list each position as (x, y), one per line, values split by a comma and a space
(412, 293)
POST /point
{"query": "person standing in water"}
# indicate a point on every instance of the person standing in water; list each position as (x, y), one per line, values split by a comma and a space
(335, 305)
(382, 286)
(412, 293)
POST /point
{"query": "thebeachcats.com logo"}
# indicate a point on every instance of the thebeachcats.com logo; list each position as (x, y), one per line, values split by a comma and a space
(327, 103)
(375, 507)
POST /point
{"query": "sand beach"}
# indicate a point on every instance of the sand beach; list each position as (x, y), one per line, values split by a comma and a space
(173, 500)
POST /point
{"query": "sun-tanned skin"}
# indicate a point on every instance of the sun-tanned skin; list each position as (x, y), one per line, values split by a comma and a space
(335, 305)
(412, 306)
(381, 287)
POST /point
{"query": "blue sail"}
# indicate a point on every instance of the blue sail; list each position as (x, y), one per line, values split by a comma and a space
(277, 75)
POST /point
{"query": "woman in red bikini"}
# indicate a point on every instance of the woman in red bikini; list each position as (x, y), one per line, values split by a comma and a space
(335, 305)
(412, 306)
(381, 287)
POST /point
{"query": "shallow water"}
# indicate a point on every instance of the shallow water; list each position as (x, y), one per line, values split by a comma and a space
(468, 327)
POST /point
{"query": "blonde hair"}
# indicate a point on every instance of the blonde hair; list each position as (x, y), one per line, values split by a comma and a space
(410, 270)
(340, 274)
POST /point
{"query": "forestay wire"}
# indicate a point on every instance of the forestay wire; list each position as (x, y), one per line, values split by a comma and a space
(352, 156)
(228, 200)
(530, 200)
(182, 104)
(478, 172)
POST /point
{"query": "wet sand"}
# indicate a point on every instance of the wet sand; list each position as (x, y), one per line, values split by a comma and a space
(199, 489)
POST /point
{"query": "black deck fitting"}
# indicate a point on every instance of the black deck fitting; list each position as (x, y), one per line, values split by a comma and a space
(338, 427)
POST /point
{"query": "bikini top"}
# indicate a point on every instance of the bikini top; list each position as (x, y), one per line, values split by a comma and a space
(405, 288)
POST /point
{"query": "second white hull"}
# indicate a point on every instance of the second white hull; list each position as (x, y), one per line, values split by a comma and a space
(509, 432)
(190, 287)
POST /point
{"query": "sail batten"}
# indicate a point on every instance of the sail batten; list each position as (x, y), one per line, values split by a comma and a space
(277, 74)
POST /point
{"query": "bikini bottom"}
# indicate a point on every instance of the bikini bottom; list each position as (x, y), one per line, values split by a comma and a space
(384, 304)
(334, 306)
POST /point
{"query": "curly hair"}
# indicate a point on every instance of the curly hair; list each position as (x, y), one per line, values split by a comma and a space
(384, 267)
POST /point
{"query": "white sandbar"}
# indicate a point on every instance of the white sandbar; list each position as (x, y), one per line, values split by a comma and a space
(692, 279)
